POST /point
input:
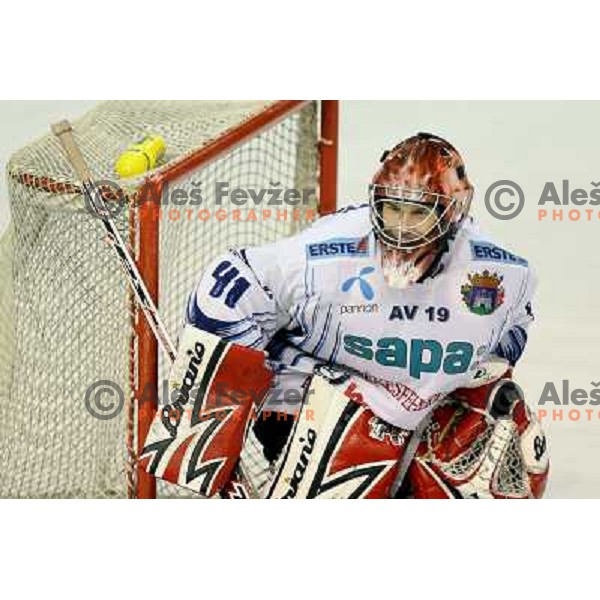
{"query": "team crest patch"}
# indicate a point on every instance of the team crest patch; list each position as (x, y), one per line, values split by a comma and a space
(484, 293)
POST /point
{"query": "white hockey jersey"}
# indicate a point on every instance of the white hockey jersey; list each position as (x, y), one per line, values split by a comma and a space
(320, 297)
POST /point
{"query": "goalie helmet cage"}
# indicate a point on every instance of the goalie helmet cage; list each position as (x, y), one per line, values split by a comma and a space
(67, 316)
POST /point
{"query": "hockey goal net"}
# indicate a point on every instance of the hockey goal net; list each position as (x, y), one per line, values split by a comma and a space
(67, 319)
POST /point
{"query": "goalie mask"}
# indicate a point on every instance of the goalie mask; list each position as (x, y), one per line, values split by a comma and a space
(418, 200)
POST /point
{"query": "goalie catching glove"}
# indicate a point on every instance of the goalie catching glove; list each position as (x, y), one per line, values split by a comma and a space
(481, 443)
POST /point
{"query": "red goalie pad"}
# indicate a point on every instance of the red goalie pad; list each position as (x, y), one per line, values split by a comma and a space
(464, 453)
(338, 447)
(196, 439)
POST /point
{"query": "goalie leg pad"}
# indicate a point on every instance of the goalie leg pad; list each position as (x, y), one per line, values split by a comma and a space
(195, 440)
(338, 448)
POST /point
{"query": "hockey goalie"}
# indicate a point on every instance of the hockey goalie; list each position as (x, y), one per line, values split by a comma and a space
(370, 356)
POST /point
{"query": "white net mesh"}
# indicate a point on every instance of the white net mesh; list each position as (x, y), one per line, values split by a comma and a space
(65, 312)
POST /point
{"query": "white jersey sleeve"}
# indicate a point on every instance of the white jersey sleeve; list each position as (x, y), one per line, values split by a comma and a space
(236, 299)
(514, 338)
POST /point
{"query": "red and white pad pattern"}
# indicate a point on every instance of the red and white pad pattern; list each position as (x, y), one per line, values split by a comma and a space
(338, 447)
(195, 440)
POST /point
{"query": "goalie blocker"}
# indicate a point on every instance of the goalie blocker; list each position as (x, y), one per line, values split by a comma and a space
(482, 442)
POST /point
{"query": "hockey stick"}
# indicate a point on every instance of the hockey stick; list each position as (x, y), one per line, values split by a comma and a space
(64, 132)
(407, 456)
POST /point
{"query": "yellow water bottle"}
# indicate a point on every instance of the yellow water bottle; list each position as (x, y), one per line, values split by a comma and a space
(141, 157)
